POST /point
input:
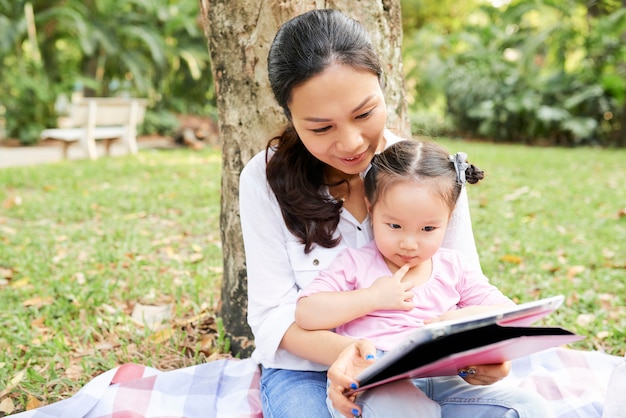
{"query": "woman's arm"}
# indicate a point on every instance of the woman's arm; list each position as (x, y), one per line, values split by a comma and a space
(273, 255)
(319, 346)
(459, 234)
(272, 288)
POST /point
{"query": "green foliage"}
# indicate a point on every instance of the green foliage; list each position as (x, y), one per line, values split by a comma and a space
(103, 48)
(160, 122)
(27, 100)
(530, 72)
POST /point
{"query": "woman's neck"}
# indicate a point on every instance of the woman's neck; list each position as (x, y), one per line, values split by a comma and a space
(351, 190)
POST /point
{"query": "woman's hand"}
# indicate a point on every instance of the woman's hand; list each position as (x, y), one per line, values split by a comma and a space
(485, 374)
(354, 359)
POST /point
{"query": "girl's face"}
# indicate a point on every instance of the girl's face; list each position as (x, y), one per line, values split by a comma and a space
(340, 116)
(409, 222)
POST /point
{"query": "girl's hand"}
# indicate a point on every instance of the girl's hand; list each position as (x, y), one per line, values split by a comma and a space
(352, 360)
(389, 293)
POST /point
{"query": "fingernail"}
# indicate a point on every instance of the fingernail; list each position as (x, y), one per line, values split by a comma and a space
(370, 357)
(353, 386)
(355, 412)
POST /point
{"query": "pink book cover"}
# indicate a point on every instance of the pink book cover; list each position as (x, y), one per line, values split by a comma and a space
(441, 349)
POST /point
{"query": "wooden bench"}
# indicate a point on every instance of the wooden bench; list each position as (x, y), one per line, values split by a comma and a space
(99, 118)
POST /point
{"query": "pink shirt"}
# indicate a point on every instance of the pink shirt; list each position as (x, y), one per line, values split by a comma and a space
(453, 284)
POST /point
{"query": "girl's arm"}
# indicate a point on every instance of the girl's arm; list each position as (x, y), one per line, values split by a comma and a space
(327, 310)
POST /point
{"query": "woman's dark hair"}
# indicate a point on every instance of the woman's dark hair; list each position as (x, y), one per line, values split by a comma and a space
(420, 162)
(304, 47)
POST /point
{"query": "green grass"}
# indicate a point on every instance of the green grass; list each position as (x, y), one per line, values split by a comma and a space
(82, 242)
(552, 221)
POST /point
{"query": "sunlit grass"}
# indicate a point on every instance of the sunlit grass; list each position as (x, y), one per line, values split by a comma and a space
(81, 243)
(553, 221)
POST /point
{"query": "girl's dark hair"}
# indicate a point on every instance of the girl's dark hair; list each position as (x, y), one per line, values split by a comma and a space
(420, 162)
(304, 47)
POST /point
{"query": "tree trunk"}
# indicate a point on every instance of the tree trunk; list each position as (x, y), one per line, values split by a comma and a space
(239, 35)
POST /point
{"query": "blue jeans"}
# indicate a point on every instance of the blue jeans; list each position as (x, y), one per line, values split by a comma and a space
(457, 398)
(293, 393)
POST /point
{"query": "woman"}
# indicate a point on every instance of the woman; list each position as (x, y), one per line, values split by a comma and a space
(302, 201)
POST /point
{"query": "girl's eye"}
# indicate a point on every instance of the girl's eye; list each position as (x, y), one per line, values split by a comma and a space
(321, 130)
(428, 228)
(394, 226)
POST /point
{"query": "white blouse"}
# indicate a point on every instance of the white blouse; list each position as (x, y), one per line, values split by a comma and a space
(278, 268)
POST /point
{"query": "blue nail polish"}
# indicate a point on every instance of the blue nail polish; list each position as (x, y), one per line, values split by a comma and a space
(463, 374)
(355, 412)
(353, 386)
(370, 357)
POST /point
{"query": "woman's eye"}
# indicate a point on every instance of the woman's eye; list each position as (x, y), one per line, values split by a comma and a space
(321, 130)
(365, 115)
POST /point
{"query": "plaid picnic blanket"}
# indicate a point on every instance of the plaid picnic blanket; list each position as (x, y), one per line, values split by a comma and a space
(574, 382)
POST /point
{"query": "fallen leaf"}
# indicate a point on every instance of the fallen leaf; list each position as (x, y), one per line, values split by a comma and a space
(38, 301)
(516, 194)
(6, 406)
(574, 271)
(38, 322)
(585, 319)
(8, 230)
(550, 267)
(13, 383)
(151, 316)
(74, 372)
(12, 201)
(23, 282)
(513, 259)
(161, 336)
(602, 335)
(195, 257)
(32, 403)
(6, 273)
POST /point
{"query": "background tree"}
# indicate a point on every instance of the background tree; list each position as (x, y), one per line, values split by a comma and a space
(239, 36)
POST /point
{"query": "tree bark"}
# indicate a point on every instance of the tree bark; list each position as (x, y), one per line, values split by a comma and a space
(239, 34)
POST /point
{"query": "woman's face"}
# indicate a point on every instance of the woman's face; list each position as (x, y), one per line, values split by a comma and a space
(340, 115)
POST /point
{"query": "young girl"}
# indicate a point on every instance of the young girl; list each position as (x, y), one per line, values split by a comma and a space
(404, 278)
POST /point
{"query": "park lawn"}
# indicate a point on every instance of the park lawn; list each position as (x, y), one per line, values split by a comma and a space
(83, 243)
